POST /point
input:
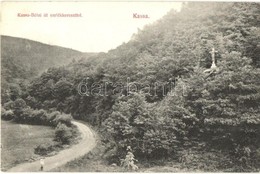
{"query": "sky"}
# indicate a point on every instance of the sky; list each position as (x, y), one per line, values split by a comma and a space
(101, 27)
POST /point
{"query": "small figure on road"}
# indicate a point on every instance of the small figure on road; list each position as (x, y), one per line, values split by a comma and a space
(42, 164)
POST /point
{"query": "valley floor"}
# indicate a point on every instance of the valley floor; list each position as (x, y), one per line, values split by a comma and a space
(19, 140)
(86, 144)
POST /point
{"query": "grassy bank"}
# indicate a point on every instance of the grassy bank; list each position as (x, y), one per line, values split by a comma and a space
(19, 140)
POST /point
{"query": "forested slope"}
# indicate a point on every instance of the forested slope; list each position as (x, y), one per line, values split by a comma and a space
(23, 59)
(31, 56)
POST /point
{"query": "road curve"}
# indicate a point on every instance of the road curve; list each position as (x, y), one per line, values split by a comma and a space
(86, 144)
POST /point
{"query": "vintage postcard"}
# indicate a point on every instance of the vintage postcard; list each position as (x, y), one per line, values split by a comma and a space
(119, 86)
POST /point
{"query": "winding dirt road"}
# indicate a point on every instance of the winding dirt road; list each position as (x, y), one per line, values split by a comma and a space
(86, 144)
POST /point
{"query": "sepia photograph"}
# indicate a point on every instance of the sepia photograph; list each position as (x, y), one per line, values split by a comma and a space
(130, 86)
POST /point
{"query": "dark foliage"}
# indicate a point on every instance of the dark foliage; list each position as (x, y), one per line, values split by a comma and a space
(219, 110)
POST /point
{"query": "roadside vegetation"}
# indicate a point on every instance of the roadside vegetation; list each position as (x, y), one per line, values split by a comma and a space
(64, 132)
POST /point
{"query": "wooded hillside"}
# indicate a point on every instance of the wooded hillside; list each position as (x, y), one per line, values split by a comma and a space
(211, 111)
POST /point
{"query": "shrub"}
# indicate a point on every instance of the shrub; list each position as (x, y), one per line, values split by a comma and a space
(25, 116)
(63, 134)
(52, 116)
(7, 114)
(64, 119)
(129, 161)
(46, 148)
(9, 105)
(40, 117)
(18, 108)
